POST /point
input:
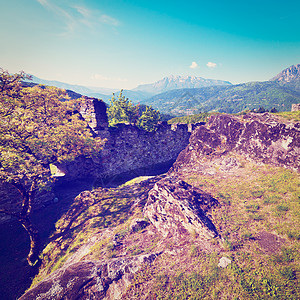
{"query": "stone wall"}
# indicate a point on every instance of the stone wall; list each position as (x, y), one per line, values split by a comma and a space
(296, 107)
(129, 148)
(94, 111)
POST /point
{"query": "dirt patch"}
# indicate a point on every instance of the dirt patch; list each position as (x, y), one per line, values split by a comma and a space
(268, 242)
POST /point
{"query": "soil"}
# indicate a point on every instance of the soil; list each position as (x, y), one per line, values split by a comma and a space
(269, 243)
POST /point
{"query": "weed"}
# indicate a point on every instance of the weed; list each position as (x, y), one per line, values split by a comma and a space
(288, 273)
(227, 244)
(271, 199)
(293, 235)
(256, 217)
(287, 255)
(282, 208)
(225, 197)
(252, 208)
(111, 254)
(257, 193)
(247, 236)
(194, 251)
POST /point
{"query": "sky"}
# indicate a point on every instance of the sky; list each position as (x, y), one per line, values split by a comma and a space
(121, 44)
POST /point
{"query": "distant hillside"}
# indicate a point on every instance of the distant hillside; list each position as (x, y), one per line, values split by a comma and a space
(83, 90)
(229, 99)
(96, 92)
(185, 95)
(178, 82)
(289, 77)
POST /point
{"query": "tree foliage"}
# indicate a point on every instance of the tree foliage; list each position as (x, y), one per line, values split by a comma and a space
(121, 110)
(36, 129)
(149, 118)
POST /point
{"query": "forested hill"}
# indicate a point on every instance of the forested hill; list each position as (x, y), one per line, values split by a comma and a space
(229, 99)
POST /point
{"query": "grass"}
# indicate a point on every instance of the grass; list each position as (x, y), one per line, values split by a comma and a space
(197, 118)
(290, 115)
(254, 199)
(88, 217)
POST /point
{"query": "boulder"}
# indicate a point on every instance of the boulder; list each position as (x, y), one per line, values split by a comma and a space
(90, 279)
(175, 207)
(224, 262)
(262, 138)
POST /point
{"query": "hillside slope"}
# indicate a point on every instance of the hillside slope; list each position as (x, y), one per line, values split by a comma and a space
(227, 99)
(226, 215)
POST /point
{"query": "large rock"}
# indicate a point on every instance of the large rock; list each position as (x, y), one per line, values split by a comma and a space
(89, 279)
(262, 138)
(175, 207)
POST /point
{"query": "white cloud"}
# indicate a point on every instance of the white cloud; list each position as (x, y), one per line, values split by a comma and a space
(42, 2)
(76, 17)
(109, 20)
(83, 11)
(194, 65)
(99, 77)
(211, 65)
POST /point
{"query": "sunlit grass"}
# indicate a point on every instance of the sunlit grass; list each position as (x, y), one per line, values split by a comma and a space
(290, 115)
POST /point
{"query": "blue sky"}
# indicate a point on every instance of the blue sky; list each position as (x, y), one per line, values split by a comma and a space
(120, 44)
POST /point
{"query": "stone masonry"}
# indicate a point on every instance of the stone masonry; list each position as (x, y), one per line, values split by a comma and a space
(127, 147)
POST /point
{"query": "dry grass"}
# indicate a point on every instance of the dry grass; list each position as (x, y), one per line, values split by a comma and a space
(254, 200)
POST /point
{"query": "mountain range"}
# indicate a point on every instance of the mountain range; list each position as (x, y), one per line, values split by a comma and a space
(227, 99)
(289, 77)
(178, 82)
(280, 92)
(141, 92)
(183, 95)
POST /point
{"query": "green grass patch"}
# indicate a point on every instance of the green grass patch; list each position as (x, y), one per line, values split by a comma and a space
(290, 115)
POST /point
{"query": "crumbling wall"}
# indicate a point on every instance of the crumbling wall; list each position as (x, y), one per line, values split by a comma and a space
(296, 107)
(129, 148)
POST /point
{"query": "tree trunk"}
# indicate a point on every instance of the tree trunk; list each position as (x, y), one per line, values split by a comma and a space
(33, 255)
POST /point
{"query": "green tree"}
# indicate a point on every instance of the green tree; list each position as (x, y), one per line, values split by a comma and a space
(121, 110)
(36, 129)
(273, 110)
(149, 119)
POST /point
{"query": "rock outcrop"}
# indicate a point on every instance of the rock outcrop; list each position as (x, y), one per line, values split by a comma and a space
(289, 74)
(164, 208)
(90, 279)
(263, 138)
(289, 78)
(175, 207)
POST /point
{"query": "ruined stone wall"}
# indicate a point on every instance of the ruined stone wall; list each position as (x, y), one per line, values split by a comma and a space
(129, 148)
(94, 111)
(296, 107)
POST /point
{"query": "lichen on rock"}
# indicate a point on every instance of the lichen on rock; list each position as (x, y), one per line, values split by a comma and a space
(90, 279)
(175, 207)
(262, 138)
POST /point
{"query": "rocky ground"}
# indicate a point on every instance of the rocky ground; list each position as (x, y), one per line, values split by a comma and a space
(221, 224)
